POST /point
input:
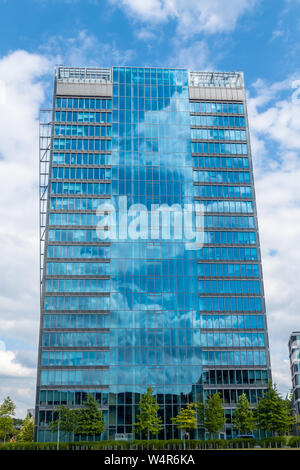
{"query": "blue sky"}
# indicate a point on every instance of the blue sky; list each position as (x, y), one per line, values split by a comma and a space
(259, 37)
(263, 41)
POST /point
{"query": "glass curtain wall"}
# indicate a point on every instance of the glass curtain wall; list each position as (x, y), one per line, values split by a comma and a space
(154, 319)
(152, 273)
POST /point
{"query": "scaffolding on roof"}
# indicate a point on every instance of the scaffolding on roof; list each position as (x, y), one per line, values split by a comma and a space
(216, 79)
(83, 75)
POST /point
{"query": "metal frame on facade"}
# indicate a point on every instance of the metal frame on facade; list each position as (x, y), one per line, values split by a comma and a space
(83, 75)
(216, 79)
(44, 162)
(294, 352)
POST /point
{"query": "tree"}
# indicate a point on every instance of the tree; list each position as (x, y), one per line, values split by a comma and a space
(26, 432)
(7, 407)
(289, 399)
(200, 412)
(7, 411)
(6, 427)
(243, 418)
(67, 421)
(297, 423)
(200, 416)
(148, 421)
(90, 418)
(214, 418)
(186, 419)
(273, 413)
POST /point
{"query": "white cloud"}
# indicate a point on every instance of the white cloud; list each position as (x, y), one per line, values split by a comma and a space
(280, 120)
(145, 34)
(10, 368)
(194, 57)
(275, 128)
(85, 50)
(22, 74)
(192, 16)
(26, 79)
(22, 392)
(277, 33)
(17, 380)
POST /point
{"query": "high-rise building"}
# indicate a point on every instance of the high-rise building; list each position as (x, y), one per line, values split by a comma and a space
(150, 259)
(294, 353)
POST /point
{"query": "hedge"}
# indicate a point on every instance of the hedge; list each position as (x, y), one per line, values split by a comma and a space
(294, 442)
(155, 444)
(274, 442)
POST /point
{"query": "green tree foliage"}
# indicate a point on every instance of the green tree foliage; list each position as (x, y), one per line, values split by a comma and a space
(7, 411)
(214, 418)
(297, 423)
(26, 432)
(6, 427)
(200, 413)
(187, 418)
(7, 408)
(243, 418)
(147, 421)
(273, 413)
(67, 421)
(200, 417)
(90, 418)
(17, 422)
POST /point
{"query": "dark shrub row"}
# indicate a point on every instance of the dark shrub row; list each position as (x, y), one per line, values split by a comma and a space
(173, 444)
(294, 442)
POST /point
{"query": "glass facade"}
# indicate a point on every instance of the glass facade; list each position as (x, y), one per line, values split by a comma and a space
(151, 269)
(294, 353)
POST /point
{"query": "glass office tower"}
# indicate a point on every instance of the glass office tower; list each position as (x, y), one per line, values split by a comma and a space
(294, 354)
(150, 260)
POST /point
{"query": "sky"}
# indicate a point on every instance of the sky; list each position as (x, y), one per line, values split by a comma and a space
(259, 37)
